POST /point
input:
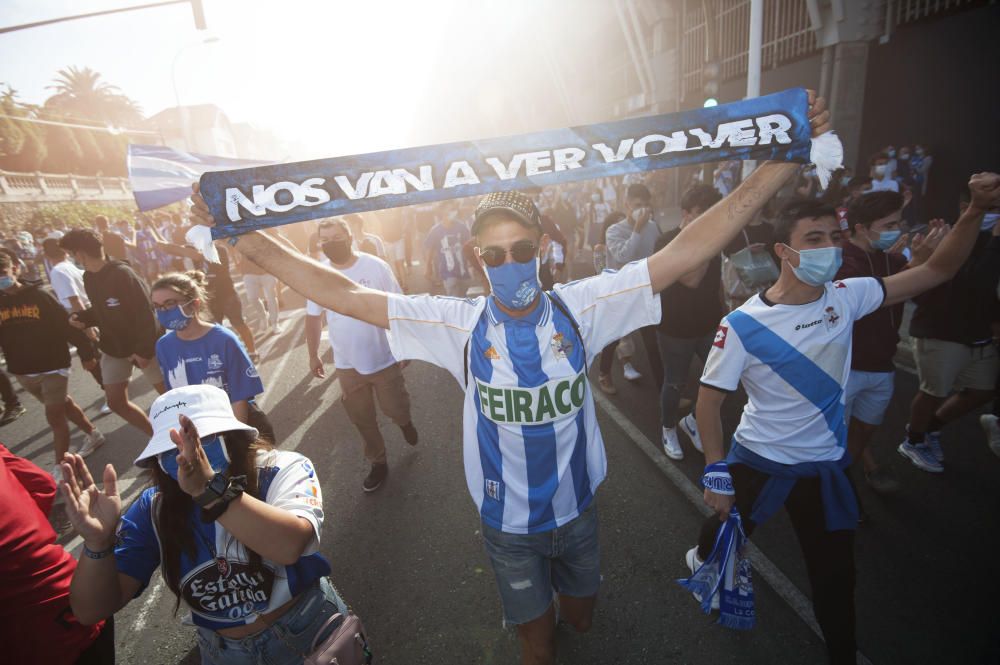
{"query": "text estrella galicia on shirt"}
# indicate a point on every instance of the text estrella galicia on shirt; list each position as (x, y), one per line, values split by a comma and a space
(228, 596)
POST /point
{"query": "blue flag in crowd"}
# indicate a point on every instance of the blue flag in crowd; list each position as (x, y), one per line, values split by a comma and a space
(160, 175)
(774, 127)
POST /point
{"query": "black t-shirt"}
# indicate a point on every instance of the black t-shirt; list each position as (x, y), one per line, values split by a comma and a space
(691, 312)
(217, 274)
(763, 233)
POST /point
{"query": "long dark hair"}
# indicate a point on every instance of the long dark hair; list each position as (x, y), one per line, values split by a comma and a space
(175, 512)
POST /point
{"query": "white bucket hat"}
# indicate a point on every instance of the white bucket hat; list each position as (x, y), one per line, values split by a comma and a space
(208, 408)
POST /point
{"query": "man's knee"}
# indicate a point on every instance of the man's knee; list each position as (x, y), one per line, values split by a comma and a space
(117, 397)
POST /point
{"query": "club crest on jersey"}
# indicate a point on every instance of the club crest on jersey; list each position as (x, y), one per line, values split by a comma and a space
(839, 285)
(493, 489)
(561, 346)
(720, 337)
(830, 318)
(491, 353)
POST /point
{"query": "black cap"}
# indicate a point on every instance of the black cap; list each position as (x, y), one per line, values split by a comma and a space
(515, 204)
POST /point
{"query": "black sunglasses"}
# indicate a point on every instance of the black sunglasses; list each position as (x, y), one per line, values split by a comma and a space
(521, 251)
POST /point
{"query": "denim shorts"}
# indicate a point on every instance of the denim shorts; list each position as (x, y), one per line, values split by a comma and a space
(528, 567)
(285, 641)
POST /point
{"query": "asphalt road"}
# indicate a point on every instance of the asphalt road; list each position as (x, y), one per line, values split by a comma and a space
(409, 558)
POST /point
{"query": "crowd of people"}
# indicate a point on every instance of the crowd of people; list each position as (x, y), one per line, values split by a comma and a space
(797, 297)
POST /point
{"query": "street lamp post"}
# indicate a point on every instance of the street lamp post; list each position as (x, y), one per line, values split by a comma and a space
(181, 111)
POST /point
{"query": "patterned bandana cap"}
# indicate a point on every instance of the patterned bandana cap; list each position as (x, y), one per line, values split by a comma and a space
(514, 203)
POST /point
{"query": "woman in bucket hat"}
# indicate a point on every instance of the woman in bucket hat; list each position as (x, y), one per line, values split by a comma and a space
(233, 525)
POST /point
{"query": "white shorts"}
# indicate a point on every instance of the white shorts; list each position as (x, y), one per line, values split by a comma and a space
(867, 396)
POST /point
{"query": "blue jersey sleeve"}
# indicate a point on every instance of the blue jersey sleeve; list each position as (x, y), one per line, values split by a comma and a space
(241, 375)
(137, 550)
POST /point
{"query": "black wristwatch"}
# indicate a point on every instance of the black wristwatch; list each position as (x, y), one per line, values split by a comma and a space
(221, 489)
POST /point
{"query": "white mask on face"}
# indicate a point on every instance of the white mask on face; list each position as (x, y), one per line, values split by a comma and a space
(880, 170)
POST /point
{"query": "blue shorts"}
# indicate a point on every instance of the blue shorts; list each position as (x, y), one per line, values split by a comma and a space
(528, 567)
(867, 395)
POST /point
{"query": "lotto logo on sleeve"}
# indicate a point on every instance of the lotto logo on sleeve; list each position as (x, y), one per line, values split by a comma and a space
(720, 337)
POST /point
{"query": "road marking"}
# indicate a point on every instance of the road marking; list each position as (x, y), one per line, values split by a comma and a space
(284, 360)
(770, 572)
(151, 597)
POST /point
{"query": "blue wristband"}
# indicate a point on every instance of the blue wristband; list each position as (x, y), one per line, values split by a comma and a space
(716, 479)
(91, 554)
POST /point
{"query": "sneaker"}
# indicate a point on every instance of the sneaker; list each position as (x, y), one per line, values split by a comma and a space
(631, 373)
(933, 442)
(12, 413)
(105, 410)
(689, 425)
(921, 456)
(375, 477)
(694, 563)
(671, 446)
(606, 384)
(91, 442)
(992, 429)
(277, 328)
(881, 481)
(410, 434)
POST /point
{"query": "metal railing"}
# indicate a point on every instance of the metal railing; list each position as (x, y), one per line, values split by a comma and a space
(908, 11)
(28, 187)
(723, 37)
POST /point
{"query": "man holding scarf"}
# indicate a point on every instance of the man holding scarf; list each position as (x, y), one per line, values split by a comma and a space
(790, 347)
(534, 455)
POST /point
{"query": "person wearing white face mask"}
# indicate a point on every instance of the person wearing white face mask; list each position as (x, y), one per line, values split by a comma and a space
(872, 252)
(790, 347)
(883, 173)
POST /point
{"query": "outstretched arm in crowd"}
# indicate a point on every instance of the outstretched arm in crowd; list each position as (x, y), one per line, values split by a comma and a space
(712, 231)
(954, 248)
(325, 286)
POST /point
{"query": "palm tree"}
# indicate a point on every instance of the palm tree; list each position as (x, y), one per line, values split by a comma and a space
(81, 93)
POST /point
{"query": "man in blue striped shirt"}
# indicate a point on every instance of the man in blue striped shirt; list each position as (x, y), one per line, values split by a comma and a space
(533, 452)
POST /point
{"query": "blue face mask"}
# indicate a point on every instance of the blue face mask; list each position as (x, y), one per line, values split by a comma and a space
(886, 239)
(173, 318)
(215, 450)
(818, 266)
(990, 220)
(515, 284)
(6, 282)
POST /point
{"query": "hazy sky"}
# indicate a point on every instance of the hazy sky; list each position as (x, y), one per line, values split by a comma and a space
(329, 74)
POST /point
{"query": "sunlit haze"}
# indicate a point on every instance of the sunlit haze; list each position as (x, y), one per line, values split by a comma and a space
(329, 78)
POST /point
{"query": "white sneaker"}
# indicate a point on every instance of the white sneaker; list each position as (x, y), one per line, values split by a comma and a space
(631, 373)
(992, 429)
(92, 442)
(105, 410)
(694, 563)
(689, 425)
(671, 446)
(277, 328)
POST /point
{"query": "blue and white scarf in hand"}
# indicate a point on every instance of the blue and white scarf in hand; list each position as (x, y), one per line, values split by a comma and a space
(727, 572)
(773, 127)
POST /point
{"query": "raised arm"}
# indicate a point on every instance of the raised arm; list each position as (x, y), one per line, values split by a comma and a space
(954, 248)
(323, 285)
(712, 231)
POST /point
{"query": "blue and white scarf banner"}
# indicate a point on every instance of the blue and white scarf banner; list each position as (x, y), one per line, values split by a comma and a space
(773, 127)
(726, 572)
(160, 175)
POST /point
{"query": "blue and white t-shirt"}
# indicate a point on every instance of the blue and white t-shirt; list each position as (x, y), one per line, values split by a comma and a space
(217, 358)
(218, 585)
(794, 361)
(447, 244)
(533, 452)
